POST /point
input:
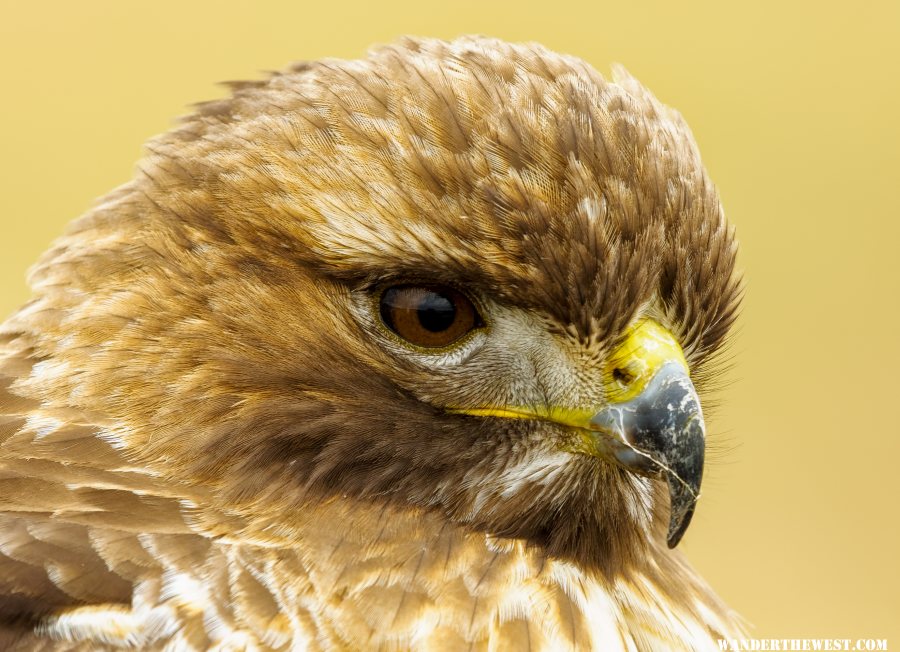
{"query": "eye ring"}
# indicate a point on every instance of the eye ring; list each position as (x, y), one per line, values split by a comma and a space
(428, 316)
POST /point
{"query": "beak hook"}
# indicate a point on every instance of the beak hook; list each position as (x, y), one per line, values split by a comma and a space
(661, 432)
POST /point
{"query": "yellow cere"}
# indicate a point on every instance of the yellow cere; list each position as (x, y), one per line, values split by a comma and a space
(646, 348)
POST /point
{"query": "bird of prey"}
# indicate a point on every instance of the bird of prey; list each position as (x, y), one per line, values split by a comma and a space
(401, 353)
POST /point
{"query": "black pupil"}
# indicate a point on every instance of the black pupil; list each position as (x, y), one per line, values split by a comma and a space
(436, 312)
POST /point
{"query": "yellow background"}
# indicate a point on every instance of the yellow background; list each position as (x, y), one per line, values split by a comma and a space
(796, 107)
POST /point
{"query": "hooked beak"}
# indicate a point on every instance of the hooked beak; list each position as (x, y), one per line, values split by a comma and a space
(659, 432)
(652, 425)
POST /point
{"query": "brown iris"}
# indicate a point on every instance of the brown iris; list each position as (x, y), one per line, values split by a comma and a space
(430, 316)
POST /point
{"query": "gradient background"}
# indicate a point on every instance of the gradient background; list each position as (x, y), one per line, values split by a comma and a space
(796, 107)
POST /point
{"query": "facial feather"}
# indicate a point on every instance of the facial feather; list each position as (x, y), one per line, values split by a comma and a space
(215, 313)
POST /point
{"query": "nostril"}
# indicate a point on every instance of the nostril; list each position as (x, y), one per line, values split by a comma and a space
(622, 376)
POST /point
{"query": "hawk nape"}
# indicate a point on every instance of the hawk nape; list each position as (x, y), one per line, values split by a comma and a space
(397, 353)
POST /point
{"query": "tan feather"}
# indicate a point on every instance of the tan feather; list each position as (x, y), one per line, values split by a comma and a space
(204, 444)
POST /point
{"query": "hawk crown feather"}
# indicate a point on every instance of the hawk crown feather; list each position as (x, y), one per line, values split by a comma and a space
(207, 441)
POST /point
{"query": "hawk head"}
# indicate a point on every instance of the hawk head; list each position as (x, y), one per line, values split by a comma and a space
(471, 278)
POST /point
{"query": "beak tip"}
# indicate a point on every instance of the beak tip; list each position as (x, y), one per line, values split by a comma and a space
(682, 503)
(678, 526)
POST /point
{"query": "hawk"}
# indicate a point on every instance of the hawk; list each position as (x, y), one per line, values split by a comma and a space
(397, 353)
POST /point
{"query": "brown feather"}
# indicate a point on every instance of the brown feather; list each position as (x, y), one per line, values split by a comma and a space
(202, 438)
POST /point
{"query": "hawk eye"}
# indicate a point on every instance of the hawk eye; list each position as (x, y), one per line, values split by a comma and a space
(429, 316)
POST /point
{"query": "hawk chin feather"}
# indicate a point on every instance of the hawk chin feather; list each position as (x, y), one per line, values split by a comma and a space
(399, 353)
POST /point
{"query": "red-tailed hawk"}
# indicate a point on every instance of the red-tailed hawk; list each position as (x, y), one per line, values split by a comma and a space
(397, 353)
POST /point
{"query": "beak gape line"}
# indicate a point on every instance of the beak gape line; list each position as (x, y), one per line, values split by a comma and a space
(659, 432)
(653, 426)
